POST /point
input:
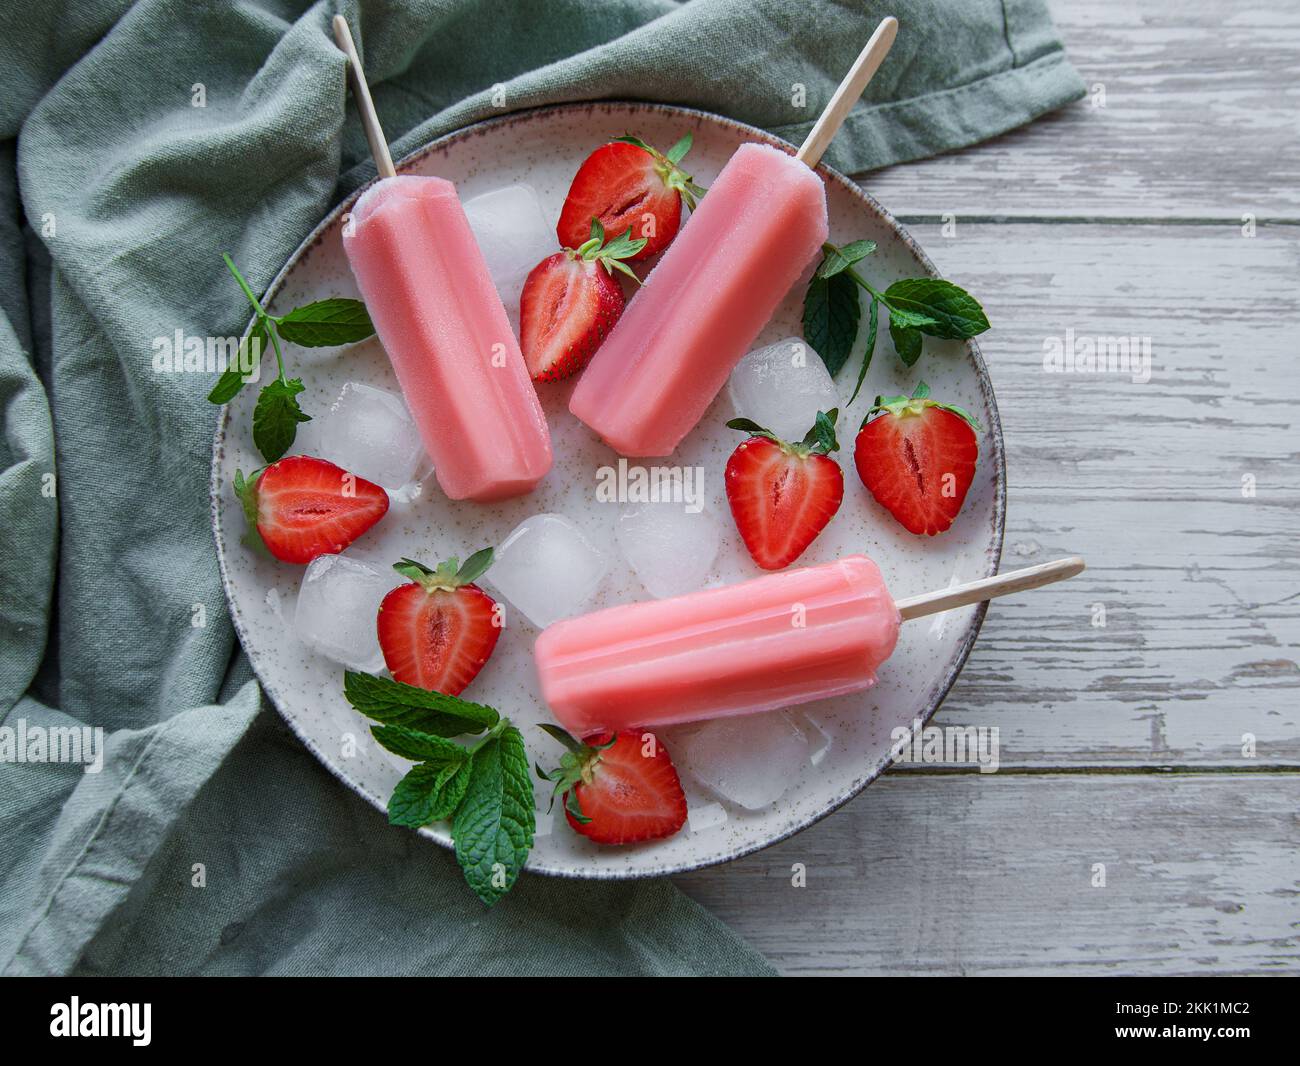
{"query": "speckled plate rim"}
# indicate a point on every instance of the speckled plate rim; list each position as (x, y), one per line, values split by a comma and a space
(937, 694)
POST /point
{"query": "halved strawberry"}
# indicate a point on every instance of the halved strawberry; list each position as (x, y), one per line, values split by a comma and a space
(618, 788)
(437, 632)
(917, 458)
(570, 303)
(627, 184)
(303, 507)
(781, 494)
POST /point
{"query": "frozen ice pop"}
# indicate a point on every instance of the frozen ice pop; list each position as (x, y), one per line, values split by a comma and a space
(774, 641)
(777, 640)
(705, 302)
(440, 320)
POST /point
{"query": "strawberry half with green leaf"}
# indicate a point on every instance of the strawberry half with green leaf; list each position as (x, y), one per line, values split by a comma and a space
(917, 457)
(619, 788)
(782, 494)
(438, 631)
(571, 301)
(303, 507)
(626, 184)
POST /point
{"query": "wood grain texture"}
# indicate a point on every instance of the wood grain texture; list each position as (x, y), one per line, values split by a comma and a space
(1166, 743)
(1201, 120)
(1200, 584)
(993, 874)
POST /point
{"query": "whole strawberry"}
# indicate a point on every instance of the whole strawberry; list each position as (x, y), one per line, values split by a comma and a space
(570, 303)
(627, 183)
(619, 788)
(917, 456)
(438, 631)
(782, 494)
(302, 507)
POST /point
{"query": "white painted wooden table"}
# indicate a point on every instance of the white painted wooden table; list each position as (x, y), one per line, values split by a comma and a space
(1121, 745)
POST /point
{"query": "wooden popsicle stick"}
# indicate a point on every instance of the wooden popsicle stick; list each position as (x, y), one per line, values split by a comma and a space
(369, 120)
(1031, 577)
(852, 87)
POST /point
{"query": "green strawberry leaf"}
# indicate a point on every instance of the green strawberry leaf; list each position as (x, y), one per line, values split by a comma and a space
(326, 323)
(395, 703)
(821, 437)
(952, 311)
(493, 826)
(678, 151)
(475, 566)
(830, 318)
(276, 418)
(873, 323)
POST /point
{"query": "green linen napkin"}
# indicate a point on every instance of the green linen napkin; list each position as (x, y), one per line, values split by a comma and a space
(210, 841)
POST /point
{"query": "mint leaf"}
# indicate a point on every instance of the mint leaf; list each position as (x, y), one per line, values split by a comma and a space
(417, 746)
(276, 418)
(395, 703)
(429, 793)
(326, 323)
(830, 318)
(838, 259)
(232, 378)
(905, 319)
(493, 827)
(907, 342)
(953, 311)
(873, 323)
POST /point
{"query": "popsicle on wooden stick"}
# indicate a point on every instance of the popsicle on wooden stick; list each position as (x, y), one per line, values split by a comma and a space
(439, 318)
(774, 641)
(705, 302)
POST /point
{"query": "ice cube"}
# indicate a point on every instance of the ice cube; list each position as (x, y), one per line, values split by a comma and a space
(782, 387)
(702, 817)
(368, 432)
(547, 568)
(815, 728)
(514, 236)
(671, 549)
(337, 605)
(750, 760)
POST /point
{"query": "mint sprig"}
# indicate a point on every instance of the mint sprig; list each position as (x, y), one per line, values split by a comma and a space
(930, 306)
(482, 788)
(319, 324)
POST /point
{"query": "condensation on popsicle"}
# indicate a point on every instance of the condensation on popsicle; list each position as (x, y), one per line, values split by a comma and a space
(439, 317)
(704, 303)
(771, 642)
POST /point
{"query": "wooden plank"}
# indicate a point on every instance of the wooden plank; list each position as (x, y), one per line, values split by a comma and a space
(993, 874)
(1201, 120)
(1198, 583)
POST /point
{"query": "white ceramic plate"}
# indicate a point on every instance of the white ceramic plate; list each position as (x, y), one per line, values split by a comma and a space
(543, 148)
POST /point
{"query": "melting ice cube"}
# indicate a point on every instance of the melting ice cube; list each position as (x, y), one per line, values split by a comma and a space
(782, 387)
(337, 605)
(547, 569)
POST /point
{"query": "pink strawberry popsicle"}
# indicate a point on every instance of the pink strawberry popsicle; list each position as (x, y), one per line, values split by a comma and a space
(440, 320)
(774, 641)
(771, 642)
(704, 303)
